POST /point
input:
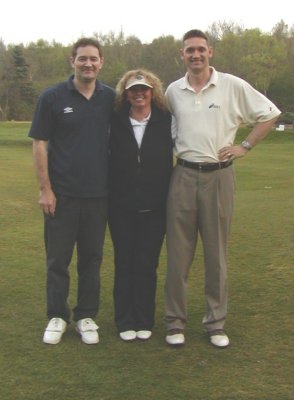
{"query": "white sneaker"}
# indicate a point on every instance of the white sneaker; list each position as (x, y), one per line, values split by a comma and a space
(219, 340)
(127, 336)
(175, 338)
(54, 331)
(87, 328)
(144, 335)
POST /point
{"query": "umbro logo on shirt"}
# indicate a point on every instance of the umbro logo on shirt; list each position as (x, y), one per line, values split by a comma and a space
(214, 106)
(67, 110)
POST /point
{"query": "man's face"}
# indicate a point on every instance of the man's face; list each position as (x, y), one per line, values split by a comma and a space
(196, 54)
(87, 64)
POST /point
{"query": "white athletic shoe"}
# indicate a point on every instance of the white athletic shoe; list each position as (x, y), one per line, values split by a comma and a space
(219, 339)
(144, 335)
(54, 331)
(87, 328)
(175, 337)
(128, 336)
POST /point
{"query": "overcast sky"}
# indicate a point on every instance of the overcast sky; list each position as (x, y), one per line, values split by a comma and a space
(24, 21)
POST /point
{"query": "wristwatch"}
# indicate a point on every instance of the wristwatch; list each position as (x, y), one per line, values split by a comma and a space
(246, 145)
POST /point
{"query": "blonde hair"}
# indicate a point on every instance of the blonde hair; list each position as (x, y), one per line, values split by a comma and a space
(157, 92)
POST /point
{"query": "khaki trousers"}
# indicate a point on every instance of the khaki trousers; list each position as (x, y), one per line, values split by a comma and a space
(198, 202)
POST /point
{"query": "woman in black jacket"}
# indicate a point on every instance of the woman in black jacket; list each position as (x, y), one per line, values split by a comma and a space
(140, 166)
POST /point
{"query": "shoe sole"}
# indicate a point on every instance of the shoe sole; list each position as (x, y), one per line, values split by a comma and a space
(175, 344)
(84, 340)
(128, 340)
(89, 343)
(143, 339)
(55, 342)
(220, 347)
(179, 340)
(46, 341)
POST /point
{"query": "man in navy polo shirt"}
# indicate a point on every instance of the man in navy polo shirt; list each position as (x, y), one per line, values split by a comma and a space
(70, 132)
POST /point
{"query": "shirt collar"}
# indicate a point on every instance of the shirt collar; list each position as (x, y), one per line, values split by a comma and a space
(143, 122)
(212, 81)
(71, 86)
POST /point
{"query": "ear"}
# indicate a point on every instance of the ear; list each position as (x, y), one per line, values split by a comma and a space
(182, 54)
(72, 60)
(101, 62)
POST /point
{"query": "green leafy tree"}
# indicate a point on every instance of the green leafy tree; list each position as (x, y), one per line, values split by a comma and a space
(251, 55)
(228, 53)
(162, 56)
(120, 54)
(262, 58)
(113, 73)
(5, 68)
(49, 63)
(22, 95)
(282, 88)
(265, 60)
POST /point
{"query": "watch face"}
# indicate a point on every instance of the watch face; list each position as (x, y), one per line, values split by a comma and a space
(246, 145)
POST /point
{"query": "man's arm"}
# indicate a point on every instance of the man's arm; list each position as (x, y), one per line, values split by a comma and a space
(47, 199)
(259, 132)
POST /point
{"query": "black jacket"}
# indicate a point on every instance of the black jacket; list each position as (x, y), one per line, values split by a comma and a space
(139, 178)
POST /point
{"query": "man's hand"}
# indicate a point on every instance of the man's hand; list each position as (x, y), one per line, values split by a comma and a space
(231, 152)
(47, 201)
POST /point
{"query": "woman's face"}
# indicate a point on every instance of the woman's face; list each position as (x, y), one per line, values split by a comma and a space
(139, 96)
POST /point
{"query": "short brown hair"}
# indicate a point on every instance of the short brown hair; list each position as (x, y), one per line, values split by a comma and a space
(83, 42)
(195, 33)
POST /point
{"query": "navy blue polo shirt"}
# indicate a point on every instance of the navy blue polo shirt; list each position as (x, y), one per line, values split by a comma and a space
(77, 131)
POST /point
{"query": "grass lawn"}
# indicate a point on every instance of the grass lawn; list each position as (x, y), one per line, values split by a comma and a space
(257, 366)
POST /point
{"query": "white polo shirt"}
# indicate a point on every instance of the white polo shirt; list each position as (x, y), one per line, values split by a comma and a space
(139, 128)
(205, 122)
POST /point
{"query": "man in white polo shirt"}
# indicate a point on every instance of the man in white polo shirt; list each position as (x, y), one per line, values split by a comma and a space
(208, 108)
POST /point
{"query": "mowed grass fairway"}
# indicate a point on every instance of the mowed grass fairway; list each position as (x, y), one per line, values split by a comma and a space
(259, 363)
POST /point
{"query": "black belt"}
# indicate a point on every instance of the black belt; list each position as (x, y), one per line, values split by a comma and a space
(205, 167)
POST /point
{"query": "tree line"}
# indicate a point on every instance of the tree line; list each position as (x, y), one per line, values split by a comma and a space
(266, 60)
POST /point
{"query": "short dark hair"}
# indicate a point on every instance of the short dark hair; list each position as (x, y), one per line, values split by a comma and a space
(83, 42)
(195, 33)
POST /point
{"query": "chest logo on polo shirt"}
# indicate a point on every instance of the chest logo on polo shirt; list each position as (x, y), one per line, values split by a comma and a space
(212, 105)
(67, 110)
